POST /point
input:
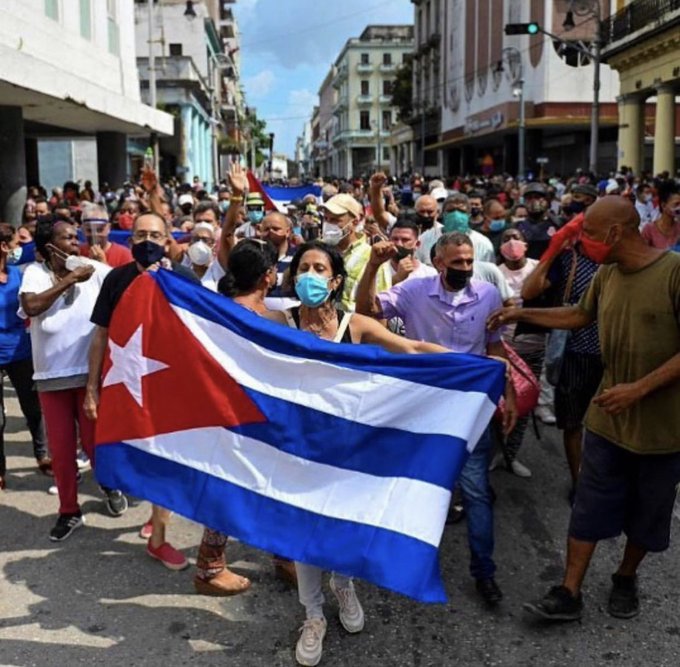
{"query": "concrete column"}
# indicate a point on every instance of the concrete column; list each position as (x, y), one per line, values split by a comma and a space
(12, 165)
(664, 130)
(631, 132)
(32, 162)
(112, 159)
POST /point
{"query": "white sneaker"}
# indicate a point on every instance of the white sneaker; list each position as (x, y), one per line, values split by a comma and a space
(520, 469)
(351, 612)
(545, 414)
(310, 645)
(82, 461)
(497, 461)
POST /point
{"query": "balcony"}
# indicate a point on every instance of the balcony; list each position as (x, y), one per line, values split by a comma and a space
(364, 137)
(388, 68)
(364, 100)
(340, 105)
(639, 19)
(340, 76)
(385, 99)
(365, 68)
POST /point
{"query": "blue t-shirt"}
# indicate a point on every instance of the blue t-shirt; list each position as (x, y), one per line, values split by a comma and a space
(15, 343)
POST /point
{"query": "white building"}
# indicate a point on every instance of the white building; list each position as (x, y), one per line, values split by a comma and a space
(364, 74)
(196, 63)
(479, 67)
(68, 70)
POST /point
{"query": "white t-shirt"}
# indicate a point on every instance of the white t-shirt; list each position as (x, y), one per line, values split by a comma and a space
(482, 246)
(421, 271)
(212, 276)
(60, 337)
(490, 273)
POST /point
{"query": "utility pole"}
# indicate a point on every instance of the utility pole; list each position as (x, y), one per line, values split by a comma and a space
(595, 110)
(152, 85)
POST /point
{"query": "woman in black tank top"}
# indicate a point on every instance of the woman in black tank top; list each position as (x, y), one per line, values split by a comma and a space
(317, 273)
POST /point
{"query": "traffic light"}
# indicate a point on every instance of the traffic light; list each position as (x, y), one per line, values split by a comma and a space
(522, 28)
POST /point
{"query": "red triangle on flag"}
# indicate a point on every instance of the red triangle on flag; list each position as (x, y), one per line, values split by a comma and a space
(254, 185)
(158, 378)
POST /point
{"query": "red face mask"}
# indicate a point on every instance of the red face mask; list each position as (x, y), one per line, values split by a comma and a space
(597, 251)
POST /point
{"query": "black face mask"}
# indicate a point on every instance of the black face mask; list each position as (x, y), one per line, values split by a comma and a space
(475, 211)
(457, 279)
(424, 223)
(403, 253)
(575, 207)
(148, 253)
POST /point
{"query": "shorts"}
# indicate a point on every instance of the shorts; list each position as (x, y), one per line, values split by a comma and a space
(579, 379)
(620, 491)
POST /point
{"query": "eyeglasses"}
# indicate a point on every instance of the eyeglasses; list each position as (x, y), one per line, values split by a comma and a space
(141, 235)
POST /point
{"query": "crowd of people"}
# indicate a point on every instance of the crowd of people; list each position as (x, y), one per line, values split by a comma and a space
(576, 278)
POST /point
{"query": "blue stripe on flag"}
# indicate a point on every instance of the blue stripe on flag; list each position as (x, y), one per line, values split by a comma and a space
(383, 557)
(342, 443)
(463, 372)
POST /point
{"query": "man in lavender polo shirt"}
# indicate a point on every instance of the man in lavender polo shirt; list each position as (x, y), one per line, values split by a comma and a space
(451, 309)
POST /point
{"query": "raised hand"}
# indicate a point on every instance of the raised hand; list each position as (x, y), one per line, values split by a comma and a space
(238, 179)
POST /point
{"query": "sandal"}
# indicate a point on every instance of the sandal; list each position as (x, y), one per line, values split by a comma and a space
(45, 466)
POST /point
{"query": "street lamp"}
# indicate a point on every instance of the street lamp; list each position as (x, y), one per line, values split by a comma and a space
(190, 12)
(153, 139)
(376, 125)
(594, 9)
(271, 156)
(517, 91)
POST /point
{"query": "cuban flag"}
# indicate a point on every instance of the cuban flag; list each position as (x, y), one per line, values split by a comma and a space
(342, 456)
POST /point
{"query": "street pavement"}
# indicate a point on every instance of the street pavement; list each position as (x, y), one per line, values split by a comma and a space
(98, 599)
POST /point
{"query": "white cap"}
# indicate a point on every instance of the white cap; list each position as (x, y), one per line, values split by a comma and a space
(185, 199)
(439, 194)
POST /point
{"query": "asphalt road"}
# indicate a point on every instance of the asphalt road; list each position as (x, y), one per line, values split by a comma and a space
(98, 599)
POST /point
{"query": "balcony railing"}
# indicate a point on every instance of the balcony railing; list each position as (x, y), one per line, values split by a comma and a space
(638, 15)
(362, 100)
(364, 68)
(388, 67)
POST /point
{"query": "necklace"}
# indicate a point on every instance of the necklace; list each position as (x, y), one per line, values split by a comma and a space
(325, 320)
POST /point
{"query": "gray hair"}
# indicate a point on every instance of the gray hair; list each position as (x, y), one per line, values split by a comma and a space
(457, 198)
(94, 212)
(452, 238)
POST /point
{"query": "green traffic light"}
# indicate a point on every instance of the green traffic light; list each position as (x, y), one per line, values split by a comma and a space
(532, 28)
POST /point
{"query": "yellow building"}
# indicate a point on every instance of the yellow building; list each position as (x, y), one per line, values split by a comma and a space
(642, 42)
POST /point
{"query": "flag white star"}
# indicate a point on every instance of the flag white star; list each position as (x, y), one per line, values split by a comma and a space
(129, 365)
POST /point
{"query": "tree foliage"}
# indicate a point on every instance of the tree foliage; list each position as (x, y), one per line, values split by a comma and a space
(402, 90)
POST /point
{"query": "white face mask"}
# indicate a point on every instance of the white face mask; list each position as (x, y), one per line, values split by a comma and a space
(200, 253)
(73, 262)
(332, 234)
(14, 255)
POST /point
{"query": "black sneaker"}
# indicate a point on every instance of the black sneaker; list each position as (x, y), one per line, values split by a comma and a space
(116, 502)
(558, 604)
(489, 590)
(623, 600)
(66, 524)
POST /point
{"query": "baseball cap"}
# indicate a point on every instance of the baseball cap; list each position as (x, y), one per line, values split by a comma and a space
(612, 186)
(535, 189)
(344, 203)
(440, 194)
(185, 199)
(585, 189)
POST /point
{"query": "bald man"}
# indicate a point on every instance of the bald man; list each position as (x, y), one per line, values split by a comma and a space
(631, 453)
(278, 229)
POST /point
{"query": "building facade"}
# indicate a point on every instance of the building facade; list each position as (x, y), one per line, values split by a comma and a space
(363, 77)
(68, 79)
(480, 72)
(195, 62)
(324, 126)
(642, 43)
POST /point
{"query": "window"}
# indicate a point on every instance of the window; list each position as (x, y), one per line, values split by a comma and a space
(112, 20)
(85, 19)
(364, 120)
(52, 9)
(364, 88)
(364, 59)
(387, 58)
(404, 57)
(386, 120)
(387, 88)
(386, 154)
(175, 49)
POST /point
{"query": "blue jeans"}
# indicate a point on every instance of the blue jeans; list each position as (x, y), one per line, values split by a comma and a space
(474, 486)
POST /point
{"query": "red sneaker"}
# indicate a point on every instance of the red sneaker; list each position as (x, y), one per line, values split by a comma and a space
(168, 555)
(146, 530)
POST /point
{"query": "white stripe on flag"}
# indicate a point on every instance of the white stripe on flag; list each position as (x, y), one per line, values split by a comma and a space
(372, 399)
(411, 507)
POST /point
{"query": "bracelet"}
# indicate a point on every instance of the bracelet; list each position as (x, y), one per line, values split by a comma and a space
(235, 200)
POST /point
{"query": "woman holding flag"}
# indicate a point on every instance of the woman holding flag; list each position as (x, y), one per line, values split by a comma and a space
(317, 273)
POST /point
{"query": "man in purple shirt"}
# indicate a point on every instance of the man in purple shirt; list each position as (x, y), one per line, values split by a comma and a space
(451, 309)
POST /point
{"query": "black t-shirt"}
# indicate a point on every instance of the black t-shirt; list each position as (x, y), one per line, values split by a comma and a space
(115, 284)
(538, 234)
